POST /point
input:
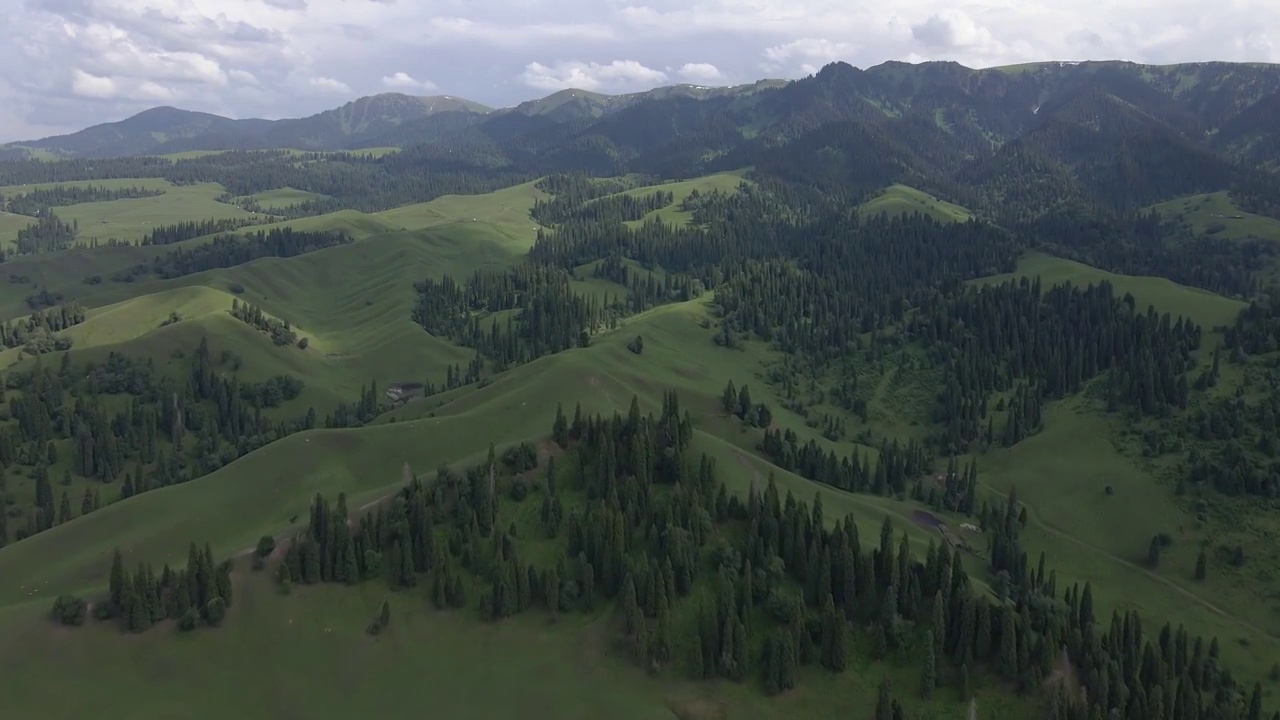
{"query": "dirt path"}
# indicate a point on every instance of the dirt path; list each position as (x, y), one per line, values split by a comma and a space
(1034, 516)
(282, 538)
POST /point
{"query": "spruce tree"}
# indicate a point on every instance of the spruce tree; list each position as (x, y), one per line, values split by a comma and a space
(929, 673)
(1201, 566)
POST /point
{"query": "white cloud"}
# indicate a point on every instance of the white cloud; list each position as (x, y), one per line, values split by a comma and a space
(405, 81)
(619, 74)
(91, 86)
(243, 77)
(809, 52)
(700, 72)
(329, 85)
(258, 57)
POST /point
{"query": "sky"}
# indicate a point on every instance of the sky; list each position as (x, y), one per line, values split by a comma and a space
(68, 64)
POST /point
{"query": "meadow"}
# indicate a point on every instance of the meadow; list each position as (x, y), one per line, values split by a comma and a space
(1217, 215)
(312, 658)
(897, 200)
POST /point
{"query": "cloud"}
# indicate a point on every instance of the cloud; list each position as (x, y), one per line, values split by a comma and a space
(91, 86)
(700, 72)
(951, 29)
(107, 59)
(807, 52)
(619, 74)
(329, 85)
(404, 81)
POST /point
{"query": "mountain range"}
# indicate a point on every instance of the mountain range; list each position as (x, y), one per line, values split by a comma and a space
(1227, 107)
(1018, 139)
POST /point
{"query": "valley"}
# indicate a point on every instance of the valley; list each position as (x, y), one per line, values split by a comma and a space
(787, 351)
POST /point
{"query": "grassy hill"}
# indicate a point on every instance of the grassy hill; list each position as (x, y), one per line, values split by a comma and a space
(724, 182)
(10, 224)
(275, 484)
(353, 303)
(897, 200)
(1217, 215)
(1206, 308)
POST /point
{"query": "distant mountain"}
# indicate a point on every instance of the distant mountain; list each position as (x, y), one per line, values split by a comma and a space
(167, 129)
(1018, 140)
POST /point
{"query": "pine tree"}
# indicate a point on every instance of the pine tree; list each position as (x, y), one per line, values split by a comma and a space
(929, 674)
(64, 508)
(116, 584)
(1201, 566)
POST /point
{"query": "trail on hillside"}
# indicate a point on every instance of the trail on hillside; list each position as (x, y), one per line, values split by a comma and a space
(1034, 515)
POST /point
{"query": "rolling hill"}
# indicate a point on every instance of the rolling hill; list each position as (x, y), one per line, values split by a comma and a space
(929, 392)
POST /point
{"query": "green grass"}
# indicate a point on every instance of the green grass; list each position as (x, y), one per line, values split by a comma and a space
(502, 215)
(1216, 214)
(261, 492)
(1207, 309)
(1062, 474)
(725, 182)
(10, 224)
(132, 218)
(283, 198)
(353, 303)
(371, 152)
(897, 200)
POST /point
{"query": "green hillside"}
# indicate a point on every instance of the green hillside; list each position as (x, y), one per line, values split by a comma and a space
(1217, 215)
(10, 224)
(898, 200)
(484, 440)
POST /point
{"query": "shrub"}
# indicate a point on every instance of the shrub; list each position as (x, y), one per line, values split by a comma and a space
(266, 545)
(303, 343)
(519, 489)
(236, 288)
(637, 345)
(70, 610)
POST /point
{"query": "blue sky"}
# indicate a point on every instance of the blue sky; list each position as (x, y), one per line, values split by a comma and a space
(71, 63)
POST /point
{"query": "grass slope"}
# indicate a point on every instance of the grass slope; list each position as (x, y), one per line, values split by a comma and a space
(504, 214)
(132, 218)
(284, 197)
(1208, 309)
(1216, 214)
(317, 659)
(897, 200)
(725, 182)
(10, 224)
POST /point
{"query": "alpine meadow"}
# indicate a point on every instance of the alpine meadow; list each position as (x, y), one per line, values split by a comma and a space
(915, 392)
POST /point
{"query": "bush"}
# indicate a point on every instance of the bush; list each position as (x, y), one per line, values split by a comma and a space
(519, 489)
(70, 610)
(187, 622)
(266, 545)
(214, 611)
(303, 343)
(637, 345)
(782, 606)
(236, 288)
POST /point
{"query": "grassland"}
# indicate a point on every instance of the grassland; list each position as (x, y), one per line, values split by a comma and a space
(283, 198)
(132, 218)
(265, 489)
(10, 224)
(897, 200)
(1217, 215)
(313, 658)
(672, 214)
(1209, 310)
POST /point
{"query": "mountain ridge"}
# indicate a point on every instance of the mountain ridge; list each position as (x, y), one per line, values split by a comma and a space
(991, 104)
